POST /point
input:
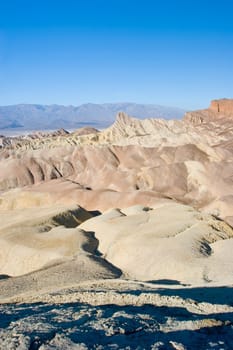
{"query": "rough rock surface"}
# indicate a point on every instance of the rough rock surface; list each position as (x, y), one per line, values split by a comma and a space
(120, 316)
(155, 272)
(222, 106)
(218, 111)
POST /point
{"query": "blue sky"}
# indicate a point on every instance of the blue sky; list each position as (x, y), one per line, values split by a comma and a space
(177, 53)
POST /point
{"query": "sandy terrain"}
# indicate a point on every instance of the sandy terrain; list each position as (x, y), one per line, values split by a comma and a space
(119, 239)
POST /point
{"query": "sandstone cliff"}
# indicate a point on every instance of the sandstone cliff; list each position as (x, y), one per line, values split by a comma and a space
(218, 111)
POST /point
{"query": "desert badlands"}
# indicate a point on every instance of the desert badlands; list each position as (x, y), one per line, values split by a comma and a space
(120, 238)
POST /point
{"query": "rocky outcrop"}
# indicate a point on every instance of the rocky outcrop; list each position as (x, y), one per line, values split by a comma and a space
(222, 106)
(218, 111)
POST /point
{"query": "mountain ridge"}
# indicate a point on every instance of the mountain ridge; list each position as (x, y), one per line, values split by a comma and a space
(38, 116)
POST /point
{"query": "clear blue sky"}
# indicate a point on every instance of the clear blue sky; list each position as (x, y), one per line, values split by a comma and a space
(170, 52)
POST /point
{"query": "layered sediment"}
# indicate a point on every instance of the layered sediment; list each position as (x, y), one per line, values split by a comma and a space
(139, 213)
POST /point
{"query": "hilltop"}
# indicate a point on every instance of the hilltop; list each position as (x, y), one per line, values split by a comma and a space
(41, 117)
(119, 237)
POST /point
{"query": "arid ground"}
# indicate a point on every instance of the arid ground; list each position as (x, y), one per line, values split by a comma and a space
(120, 238)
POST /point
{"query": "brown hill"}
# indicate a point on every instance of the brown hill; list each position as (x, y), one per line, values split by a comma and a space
(219, 110)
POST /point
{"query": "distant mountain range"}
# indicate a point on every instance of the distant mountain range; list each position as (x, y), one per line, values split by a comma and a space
(37, 117)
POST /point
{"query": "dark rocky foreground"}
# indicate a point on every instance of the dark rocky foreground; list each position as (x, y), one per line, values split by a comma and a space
(183, 318)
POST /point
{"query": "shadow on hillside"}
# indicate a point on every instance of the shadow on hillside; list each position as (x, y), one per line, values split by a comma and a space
(214, 295)
(4, 277)
(139, 327)
(95, 212)
(166, 281)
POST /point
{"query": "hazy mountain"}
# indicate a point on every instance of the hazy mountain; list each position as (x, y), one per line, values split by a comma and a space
(30, 116)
